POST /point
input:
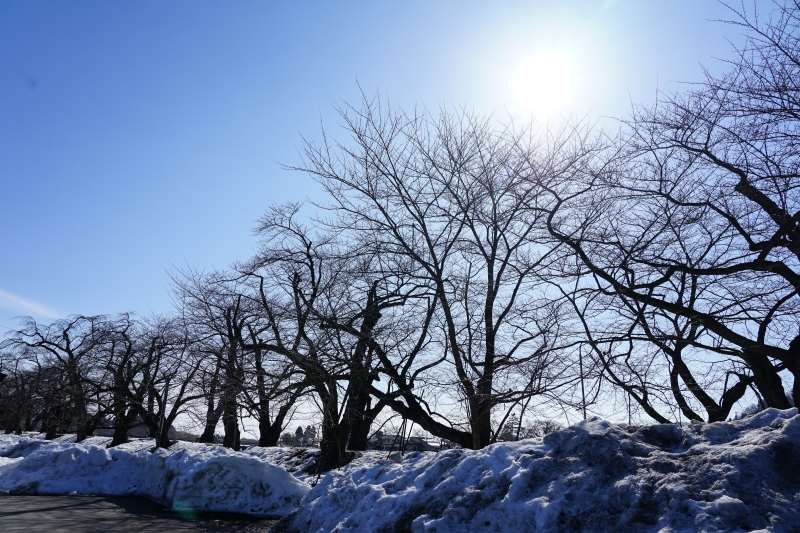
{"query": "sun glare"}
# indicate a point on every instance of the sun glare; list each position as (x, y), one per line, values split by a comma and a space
(545, 82)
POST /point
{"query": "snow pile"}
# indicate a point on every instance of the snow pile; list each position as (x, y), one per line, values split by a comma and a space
(299, 462)
(42, 467)
(595, 476)
(729, 476)
(185, 477)
(214, 478)
(302, 462)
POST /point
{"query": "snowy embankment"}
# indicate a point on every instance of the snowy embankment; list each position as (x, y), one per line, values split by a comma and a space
(595, 476)
(592, 477)
(185, 477)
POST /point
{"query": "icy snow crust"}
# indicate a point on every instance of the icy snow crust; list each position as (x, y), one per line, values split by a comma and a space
(592, 477)
(184, 477)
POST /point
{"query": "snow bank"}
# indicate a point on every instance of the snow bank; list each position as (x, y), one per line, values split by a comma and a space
(40, 467)
(595, 476)
(217, 479)
(185, 477)
(297, 461)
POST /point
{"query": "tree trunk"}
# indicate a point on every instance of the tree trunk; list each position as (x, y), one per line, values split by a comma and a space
(81, 413)
(230, 391)
(332, 452)
(767, 380)
(268, 434)
(793, 365)
(349, 433)
(212, 420)
(120, 430)
(481, 424)
(733, 395)
(480, 417)
(332, 449)
(357, 416)
(359, 436)
(687, 411)
(162, 440)
(231, 424)
(213, 413)
(50, 423)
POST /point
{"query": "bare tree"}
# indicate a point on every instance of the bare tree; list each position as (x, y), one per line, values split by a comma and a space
(64, 351)
(170, 360)
(241, 375)
(120, 356)
(447, 202)
(30, 398)
(655, 358)
(693, 225)
(299, 278)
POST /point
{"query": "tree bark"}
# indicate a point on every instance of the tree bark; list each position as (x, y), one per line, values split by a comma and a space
(359, 436)
(767, 380)
(121, 426)
(212, 420)
(231, 424)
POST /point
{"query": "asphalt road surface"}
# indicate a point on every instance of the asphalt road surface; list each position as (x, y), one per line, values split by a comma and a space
(109, 514)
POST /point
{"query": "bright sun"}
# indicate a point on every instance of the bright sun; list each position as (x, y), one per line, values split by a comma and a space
(545, 82)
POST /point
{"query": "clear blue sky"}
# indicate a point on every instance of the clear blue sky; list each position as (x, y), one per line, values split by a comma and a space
(139, 135)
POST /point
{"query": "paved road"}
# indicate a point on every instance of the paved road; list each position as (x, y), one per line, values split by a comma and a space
(106, 514)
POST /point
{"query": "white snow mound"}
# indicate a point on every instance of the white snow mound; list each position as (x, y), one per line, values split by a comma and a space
(185, 477)
(221, 480)
(593, 477)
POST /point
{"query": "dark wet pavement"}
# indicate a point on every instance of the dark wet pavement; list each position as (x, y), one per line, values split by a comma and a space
(111, 514)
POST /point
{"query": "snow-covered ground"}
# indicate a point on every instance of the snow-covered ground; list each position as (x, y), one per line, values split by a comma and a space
(593, 477)
(187, 476)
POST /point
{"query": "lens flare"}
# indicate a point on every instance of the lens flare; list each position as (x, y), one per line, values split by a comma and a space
(545, 82)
